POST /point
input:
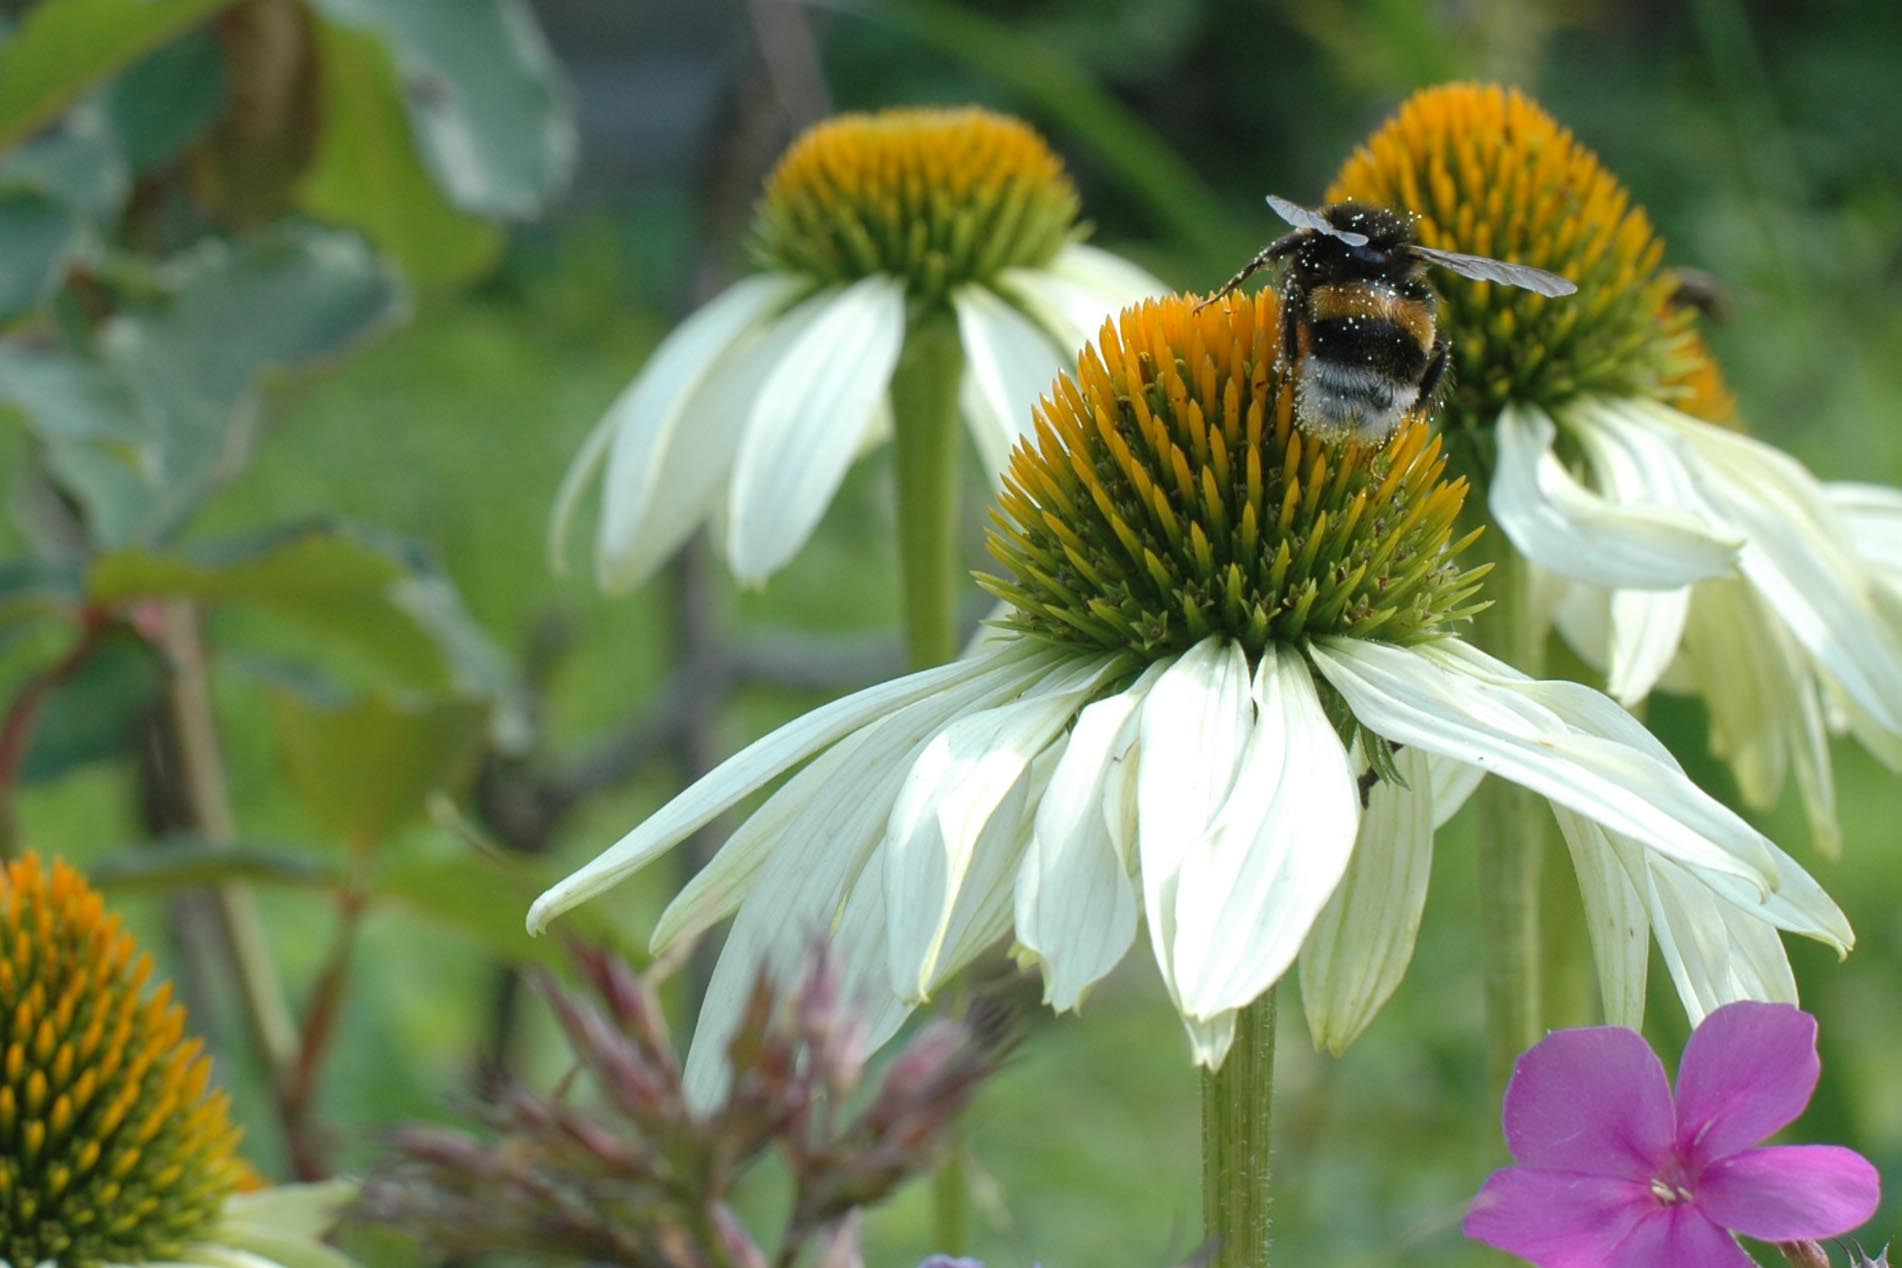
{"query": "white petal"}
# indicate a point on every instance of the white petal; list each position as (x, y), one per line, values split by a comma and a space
(574, 482)
(1562, 740)
(1191, 733)
(981, 917)
(1250, 890)
(1873, 515)
(1556, 521)
(1646, 628)
(753, 766)
(1716, 954)
(964, 777)
(1210, 1040)
(1363, 940)
(841, 799)
(1009, 362)
(667, 459)
(1615, 917)
(807, 418)
(1076, 904)
(1077, 292)
(1799, 556)
(289, 1210)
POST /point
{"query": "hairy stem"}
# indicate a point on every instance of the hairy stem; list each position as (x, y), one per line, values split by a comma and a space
(1237, 1104)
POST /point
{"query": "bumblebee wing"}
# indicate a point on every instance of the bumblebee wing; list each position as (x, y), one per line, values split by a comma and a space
(1486, 269)
(1301, 218)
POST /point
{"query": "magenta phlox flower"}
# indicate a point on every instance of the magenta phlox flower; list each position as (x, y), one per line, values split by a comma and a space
(1612, 1174)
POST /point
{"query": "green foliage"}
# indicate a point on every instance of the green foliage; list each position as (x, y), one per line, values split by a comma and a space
(63, 48)
(485, 98)
(37, 235)
(365, 767)
(160, 412)
(367, 175)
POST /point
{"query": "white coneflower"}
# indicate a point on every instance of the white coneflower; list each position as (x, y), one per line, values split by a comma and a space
(873, 227)
(1700, 558)
(115, 1151)
(1220, 634)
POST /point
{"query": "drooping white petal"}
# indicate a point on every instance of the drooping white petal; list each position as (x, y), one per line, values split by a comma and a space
(1009, 362)
(1647, 627)
(1250, 890)
(1797, 905)
(962, 779)
(1798, 555)
(574, 482)
(1076, 904)
(840, 800)
(1873, 515)
(1191, 732)
(755, 765)
(808, 416)
(1077, 292)
(1564, 741)
(1559, 523)
(981, 917)
(666, 461)
(1615, 918)
(1210, 1040)
(1362, 942)
(1715, 953)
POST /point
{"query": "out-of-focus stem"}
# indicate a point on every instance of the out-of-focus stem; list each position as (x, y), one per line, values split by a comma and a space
(927, 444)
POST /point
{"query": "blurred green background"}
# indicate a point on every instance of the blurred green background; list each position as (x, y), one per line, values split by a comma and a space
(1760, 136)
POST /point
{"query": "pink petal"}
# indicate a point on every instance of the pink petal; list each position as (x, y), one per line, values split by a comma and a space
(1790, 1193)
(1678, 1237)
(1748, 1071)
(1594, 1101)
(1557, 1219)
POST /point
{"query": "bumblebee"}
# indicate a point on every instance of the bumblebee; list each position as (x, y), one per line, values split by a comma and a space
(1358, 328)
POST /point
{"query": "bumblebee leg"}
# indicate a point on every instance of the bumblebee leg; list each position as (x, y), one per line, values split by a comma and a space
(1263, 258)
(1293, 301)
(1435, 369)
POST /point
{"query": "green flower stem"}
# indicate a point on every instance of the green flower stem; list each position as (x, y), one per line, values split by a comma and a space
(928, 443)
(1513, 831)
(1236, 1112)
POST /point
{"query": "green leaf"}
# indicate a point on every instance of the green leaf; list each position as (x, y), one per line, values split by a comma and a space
(366, 767)
(486, 99)
(162, 104)
(62, 48)
(142, 431)
(80, 163)
(366, 173)
(92, 716)
(354, 587)
(38, 234)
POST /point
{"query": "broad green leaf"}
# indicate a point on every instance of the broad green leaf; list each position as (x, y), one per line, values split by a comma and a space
(141, 432)
(92, 715)
(366, 767)
(378, 596)
(486, 100)
(81, 163)
(366, 173)
(38, 234)
(62, 48)
(164, 102)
